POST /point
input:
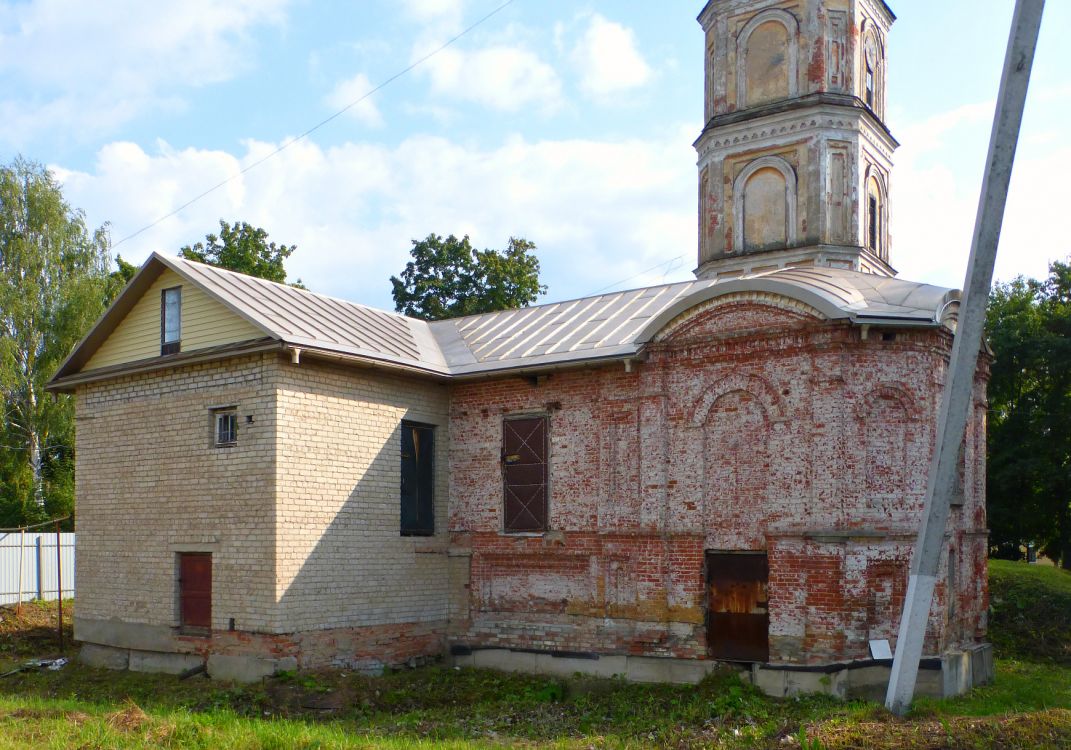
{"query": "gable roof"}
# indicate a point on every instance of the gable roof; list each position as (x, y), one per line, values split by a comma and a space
(606, 326)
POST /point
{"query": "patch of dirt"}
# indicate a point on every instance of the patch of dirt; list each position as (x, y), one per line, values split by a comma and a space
(33, 631)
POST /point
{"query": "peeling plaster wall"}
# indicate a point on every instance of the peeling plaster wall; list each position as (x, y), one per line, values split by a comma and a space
(753, 426)
(762, 58)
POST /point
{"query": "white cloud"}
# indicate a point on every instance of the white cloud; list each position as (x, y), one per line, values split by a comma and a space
(434, 11)
(608, 60)
(349, 91)
(935, 190)
(80, 67)
(601, 212)
(506, 78)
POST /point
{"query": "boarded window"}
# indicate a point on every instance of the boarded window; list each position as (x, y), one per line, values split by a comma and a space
(524, 461)
(767, 64)
(195, 590)
(765, 210)
(738, 619)
(418, 479)
(171, 320)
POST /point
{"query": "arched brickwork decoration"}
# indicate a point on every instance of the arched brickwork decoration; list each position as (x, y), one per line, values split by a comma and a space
(887, 414)
(748, 199)
(756, 387)
(766, 23)
(736, 458)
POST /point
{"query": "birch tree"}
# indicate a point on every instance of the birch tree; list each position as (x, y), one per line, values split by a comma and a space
(53, 285)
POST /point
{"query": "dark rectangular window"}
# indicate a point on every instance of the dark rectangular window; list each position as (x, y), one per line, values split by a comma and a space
(870, 87)
(226, 426)
(874, 224)
(524, 470)
(195, 591)
(171, 320)
(418, 479)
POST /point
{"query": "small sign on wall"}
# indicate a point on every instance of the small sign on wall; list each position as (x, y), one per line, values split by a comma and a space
(880, 650)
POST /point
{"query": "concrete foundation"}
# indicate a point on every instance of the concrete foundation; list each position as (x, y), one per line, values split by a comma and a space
(955, 673)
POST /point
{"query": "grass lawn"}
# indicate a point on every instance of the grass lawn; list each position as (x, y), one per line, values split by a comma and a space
(1029, 706)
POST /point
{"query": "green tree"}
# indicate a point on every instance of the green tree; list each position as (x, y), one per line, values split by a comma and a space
(245, 249)
(1029, 442)
(53, 285)
(448, 278)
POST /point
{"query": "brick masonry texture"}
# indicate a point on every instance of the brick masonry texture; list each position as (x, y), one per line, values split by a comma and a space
(301, 516)
(752, 425)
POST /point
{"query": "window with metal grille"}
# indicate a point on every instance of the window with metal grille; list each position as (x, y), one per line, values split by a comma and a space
(226, 426)
(524, 471)
(171, 320)
(418, 479)
(195, 591)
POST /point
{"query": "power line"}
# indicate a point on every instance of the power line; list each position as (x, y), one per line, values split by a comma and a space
(318, 125)
(637, 275)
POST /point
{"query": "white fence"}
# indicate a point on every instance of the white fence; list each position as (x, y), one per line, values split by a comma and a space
(39, 563)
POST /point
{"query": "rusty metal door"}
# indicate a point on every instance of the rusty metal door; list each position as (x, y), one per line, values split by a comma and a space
(524, 462)
(195, 590)
(738, 619)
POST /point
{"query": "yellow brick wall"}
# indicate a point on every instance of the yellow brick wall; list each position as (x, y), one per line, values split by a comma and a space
(342, 561)
(205, 323)
(150, 484)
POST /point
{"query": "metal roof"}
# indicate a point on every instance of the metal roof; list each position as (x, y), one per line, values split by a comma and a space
(606, 326)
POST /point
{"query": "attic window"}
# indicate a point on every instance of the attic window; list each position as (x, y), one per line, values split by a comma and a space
(171, 320)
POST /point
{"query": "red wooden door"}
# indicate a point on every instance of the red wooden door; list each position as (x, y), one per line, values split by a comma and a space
(195, 589)
(738, 619)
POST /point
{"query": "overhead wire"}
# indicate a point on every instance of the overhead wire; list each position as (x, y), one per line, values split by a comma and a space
(641, 273)
(318, 125)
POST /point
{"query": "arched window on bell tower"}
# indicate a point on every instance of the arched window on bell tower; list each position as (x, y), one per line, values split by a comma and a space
(873, 71)
(876, 211)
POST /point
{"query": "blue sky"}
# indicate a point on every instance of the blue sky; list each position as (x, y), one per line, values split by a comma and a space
(568, 123)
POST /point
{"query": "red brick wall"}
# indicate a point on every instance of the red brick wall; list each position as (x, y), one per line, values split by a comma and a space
(751, 426)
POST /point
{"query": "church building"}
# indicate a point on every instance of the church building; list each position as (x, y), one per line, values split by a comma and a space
(645, 483)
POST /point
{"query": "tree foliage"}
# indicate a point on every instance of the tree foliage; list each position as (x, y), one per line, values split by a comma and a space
(448, 278)
(243, 248)
(1029, 445)
(54, 283)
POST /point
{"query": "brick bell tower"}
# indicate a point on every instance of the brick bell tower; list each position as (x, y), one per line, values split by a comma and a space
(795, 157)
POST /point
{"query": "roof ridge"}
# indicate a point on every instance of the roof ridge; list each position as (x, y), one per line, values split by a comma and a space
(257, 279)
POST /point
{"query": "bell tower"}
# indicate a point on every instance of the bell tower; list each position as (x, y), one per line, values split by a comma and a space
(795, 158)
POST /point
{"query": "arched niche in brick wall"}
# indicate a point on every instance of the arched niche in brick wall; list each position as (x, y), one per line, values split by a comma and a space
(761, 390)
(887, 416)
(767, 59)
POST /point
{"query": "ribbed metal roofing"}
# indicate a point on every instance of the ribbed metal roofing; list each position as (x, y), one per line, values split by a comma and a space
(591, 328)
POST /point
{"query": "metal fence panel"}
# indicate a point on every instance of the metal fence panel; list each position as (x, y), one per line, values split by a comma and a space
(38, 552)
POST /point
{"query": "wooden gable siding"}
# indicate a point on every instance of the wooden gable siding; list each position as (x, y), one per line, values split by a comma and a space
(205, 323)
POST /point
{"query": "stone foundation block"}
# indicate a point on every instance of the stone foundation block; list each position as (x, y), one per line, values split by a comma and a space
(156, 662)
(245, 668)
(104, 657)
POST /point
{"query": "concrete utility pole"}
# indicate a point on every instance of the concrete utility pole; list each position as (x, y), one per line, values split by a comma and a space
(959, 384)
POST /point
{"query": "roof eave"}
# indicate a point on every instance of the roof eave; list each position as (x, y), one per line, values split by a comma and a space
(68, 383)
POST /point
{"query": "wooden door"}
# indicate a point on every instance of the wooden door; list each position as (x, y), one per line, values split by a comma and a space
(524, 460)
(738, 619)
(195, 590)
